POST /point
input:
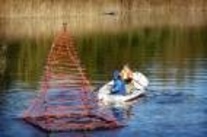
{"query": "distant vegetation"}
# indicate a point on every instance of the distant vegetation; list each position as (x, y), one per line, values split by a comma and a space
(13, 8)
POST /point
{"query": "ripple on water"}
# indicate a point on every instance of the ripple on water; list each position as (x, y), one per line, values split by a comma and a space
(13, 103)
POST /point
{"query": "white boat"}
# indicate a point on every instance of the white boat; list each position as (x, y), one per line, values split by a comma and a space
(137, 89)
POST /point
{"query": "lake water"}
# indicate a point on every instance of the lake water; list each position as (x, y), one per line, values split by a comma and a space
(173, 57)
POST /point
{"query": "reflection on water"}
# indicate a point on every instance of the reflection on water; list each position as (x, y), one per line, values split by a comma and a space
(174, 59)
(3, 49)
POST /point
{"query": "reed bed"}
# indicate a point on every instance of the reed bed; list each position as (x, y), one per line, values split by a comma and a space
(62, 8)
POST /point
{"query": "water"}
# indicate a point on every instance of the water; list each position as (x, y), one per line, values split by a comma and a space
(172, 57)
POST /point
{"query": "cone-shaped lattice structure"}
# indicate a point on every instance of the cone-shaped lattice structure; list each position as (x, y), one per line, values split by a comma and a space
(65, 101)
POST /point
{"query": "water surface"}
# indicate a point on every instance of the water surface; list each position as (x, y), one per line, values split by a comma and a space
(172, 57)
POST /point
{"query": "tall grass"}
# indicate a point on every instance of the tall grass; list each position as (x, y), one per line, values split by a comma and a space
(54, 8)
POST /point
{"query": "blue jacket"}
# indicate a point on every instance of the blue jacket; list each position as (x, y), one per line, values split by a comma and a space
(118, 86)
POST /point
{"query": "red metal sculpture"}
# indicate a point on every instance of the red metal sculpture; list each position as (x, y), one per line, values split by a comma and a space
(65, 101)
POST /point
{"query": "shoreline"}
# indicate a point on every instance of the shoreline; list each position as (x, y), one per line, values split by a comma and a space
(79, 25)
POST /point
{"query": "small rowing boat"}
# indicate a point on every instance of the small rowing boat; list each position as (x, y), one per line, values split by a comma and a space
(134, 90)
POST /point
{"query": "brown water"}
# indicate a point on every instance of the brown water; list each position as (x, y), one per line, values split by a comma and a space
(173, 57)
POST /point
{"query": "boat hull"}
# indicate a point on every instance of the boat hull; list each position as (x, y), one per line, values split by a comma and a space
(139, 84)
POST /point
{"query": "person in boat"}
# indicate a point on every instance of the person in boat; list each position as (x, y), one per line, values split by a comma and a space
(119, 85)
(126, 74)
